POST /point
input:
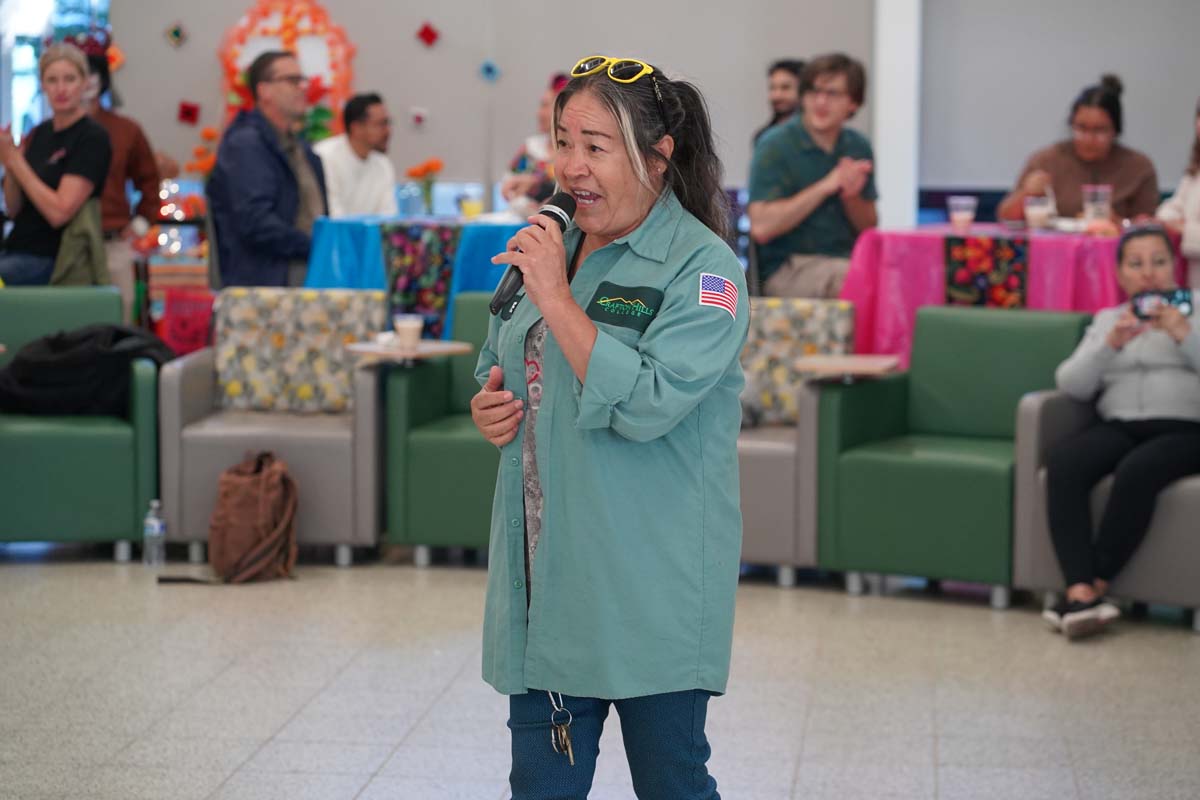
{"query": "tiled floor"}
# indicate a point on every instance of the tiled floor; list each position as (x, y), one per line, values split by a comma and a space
(364, 683)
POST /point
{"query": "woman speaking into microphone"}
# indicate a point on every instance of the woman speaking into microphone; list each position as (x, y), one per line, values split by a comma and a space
(612, 393)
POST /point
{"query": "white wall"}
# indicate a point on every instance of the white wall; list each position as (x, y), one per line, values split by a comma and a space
(474, 126)
(897, 109)
(998, 79)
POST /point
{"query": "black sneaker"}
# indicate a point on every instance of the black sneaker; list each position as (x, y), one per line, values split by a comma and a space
(1085, 619)
(1053, 614)
(1108, 610)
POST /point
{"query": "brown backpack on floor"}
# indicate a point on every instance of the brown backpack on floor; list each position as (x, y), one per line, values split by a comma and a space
(252, 534)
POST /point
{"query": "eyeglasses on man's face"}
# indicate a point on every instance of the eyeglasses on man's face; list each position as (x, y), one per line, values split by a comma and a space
(828, 94)
(294, 81)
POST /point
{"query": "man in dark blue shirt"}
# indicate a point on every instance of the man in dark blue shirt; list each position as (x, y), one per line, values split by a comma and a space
(267, 186)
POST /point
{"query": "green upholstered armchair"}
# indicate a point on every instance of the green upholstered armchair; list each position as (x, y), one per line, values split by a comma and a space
(915, 471)
(440, 473)
(75, 479)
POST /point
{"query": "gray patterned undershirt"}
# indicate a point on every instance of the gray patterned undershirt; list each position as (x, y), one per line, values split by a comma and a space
(535, 344)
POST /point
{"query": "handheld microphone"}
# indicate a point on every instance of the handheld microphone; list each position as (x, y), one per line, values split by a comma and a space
(560, 208)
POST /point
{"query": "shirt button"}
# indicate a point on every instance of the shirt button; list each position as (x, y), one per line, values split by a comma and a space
(515, 461)
(516, 523)
(518, 584)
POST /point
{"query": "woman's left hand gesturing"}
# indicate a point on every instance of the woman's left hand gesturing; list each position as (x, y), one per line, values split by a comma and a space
(539, 253)
(1171, 320)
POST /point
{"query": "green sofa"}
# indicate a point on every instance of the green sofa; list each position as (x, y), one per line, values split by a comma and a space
(75, 479)
(440, 473)
(915, 471)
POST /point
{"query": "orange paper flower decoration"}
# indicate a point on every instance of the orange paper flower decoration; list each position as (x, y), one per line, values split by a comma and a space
(289, 23)
(426, 169)
(115, 56)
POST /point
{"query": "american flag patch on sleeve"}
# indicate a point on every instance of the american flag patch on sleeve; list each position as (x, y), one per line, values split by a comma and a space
(716, 291)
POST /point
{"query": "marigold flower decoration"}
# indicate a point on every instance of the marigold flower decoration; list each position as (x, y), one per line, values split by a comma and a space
(426, 172)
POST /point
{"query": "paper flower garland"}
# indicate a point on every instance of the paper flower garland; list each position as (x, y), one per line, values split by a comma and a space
(323, 49)
(204, 157)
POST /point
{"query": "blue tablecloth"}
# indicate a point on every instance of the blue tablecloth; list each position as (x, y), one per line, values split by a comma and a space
(348, 253)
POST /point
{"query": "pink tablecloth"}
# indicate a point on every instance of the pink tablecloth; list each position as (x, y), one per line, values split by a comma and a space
(893, 273)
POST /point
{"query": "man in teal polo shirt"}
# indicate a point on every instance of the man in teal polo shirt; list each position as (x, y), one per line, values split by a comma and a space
(811, 185)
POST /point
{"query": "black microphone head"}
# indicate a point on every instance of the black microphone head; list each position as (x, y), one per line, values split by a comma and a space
(560, 208)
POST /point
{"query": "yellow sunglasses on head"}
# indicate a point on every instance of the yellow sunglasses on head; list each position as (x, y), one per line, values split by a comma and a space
(623, 70)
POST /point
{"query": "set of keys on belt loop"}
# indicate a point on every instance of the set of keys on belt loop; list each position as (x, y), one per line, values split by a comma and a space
(560, 732)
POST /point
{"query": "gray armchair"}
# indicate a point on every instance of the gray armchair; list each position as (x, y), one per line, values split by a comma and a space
(334, 455)
(1166, 567)
(777, 453)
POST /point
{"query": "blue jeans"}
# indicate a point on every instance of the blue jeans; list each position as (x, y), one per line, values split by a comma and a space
(664, 743)
(25, 269)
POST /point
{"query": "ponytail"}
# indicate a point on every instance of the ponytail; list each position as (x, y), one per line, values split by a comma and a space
(694, 172)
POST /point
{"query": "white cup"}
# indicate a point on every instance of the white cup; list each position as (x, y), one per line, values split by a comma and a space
(962, 211)
(1038, 211)
(408, 328)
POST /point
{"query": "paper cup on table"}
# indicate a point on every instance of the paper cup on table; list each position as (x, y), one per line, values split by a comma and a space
(408, 328)
(1097, 201)
(1039, 211)
(962, 211)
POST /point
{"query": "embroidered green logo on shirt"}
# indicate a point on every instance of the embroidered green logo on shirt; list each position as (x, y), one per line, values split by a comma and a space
(627, 306)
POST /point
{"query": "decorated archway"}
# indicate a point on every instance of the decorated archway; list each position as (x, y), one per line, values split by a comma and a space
(301, 27)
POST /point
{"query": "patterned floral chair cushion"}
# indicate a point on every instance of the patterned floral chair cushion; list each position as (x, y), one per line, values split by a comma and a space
(284, 349)
(781, 330)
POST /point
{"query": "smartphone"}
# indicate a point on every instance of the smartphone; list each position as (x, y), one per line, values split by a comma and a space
(1145, 302)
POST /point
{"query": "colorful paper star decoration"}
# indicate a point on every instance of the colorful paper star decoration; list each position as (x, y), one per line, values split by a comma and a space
(429, 34)
(176, 35)
(189, 113)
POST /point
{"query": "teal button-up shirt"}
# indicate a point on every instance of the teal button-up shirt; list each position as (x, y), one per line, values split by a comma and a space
(637, 565)
(787, 161)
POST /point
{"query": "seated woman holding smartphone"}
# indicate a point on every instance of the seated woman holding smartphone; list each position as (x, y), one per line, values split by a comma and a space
(1140, 363)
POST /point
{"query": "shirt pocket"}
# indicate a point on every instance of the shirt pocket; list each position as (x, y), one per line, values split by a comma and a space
(626, 336)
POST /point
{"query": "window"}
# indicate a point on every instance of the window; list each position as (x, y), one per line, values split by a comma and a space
(27, 23)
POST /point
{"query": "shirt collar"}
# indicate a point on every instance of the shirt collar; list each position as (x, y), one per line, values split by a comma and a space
(284, 138)
(806, 140)
(652, 238)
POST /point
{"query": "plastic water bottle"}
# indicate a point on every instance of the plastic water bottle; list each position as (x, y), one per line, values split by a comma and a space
(154, 537)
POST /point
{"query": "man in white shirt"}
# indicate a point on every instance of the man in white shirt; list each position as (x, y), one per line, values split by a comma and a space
(359, 177)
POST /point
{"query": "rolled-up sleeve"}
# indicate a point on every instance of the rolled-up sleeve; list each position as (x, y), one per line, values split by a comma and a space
(488, 357)
(642, 392)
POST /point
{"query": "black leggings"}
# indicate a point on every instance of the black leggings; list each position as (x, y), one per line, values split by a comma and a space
(1144, 457)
